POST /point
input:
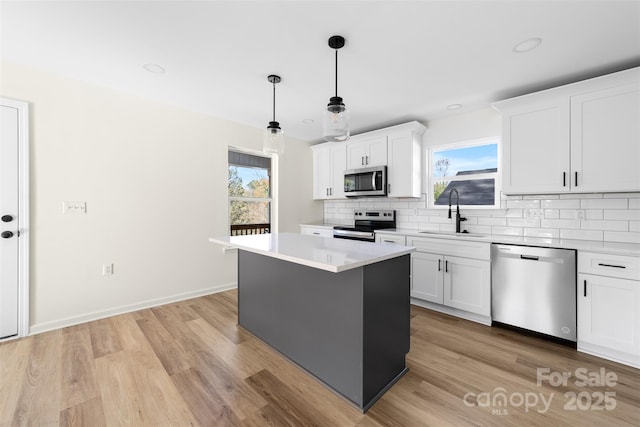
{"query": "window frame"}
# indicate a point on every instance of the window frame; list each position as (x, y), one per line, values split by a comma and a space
(497, 176)
(270, 199)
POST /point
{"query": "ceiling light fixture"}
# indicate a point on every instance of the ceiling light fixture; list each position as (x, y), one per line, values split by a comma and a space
(336, 116)
(154, 68)
(454, 107)
(273, 140)
(527, 45)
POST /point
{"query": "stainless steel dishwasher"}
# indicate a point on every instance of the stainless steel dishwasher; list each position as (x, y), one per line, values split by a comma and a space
(534, 288)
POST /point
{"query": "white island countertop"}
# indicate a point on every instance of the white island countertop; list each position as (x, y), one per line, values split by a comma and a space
(324, 253)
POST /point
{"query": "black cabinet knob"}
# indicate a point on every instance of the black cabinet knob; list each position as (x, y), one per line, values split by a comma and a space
(7, 218)
(6, 234)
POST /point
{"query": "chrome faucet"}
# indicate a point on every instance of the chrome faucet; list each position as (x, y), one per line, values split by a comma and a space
(459, 219)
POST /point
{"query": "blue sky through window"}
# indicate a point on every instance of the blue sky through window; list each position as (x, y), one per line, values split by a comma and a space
(468, 158)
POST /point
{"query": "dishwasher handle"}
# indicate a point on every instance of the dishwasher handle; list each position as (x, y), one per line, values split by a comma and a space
(530, 257)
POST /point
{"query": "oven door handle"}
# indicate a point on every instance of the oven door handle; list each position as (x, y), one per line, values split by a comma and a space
(351, 233)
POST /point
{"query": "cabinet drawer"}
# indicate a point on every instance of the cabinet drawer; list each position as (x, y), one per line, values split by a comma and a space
(391, 238)
(460, 248)
(317, 231)
(622, 266)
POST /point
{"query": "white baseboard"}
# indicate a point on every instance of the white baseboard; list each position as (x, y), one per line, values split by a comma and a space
(88, 317)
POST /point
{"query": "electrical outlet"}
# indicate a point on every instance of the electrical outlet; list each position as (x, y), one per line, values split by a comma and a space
(581, 214)
(533, 213)
(107, 269)
(74, 207)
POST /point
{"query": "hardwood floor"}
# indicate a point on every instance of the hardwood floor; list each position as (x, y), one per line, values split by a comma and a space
(189, 363)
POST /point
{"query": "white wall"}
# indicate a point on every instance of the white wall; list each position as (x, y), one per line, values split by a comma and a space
(155, 181)
(601, 217)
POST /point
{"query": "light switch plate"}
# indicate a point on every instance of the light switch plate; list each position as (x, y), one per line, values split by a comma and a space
(74, 207)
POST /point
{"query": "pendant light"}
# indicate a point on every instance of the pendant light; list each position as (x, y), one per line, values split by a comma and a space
(273, 140)
(336, 116)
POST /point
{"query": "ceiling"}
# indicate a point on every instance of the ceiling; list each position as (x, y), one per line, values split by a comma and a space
(403, 60)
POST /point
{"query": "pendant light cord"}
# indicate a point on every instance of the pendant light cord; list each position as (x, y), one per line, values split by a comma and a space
(274, 101)
(336, 72)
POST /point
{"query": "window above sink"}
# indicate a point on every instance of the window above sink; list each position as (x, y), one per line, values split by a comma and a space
(472, 167)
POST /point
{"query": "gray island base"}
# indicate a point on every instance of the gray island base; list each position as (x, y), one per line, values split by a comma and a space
(348, 329)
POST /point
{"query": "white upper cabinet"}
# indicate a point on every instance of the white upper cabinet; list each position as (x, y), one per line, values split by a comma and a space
(404, 160)
(582, 137)
(399, 148)
(605, 139)
(365, 152)
(329, 163)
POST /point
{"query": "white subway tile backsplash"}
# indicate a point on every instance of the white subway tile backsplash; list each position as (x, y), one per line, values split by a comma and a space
(605, 225)
(523, 222)
(523, 204)
(550, 233)
(611, 217)
(620, 236)
(560, 204)
(581, 234)
(604, 204)
(629, 215)
(551, 213)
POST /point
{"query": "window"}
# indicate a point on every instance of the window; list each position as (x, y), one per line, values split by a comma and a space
(249, 193)
(471, 168)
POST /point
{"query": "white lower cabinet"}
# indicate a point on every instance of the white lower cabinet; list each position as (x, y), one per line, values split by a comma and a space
(609, 306)
(441, 276)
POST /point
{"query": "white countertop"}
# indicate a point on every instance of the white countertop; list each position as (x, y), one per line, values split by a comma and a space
(325, 253)
(582, 245)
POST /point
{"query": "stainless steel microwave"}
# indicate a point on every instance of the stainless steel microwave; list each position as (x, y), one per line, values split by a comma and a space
(365, 182)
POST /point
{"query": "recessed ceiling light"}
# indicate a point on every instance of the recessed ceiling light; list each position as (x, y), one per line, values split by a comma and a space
(454, 106)
(527, 45)
(154, 68)
(308, 121)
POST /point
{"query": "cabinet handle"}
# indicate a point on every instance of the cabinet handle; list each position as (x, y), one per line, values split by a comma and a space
(331, 191)
(611, 265)
(362, 160)
(326, 190)
(576, 178)
(584, 288)
(446, 266)
(316, 233)
(564, 179)
(366, 160)
(388, 241)
(388, 188)
(439, 267)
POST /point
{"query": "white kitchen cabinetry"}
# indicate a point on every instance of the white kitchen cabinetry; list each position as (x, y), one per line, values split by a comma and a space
(453, 275)
(404, 160)
(365, 151)
(582, 137)
(609, 306)
(317, 230)
(399, 239)
(329, 164)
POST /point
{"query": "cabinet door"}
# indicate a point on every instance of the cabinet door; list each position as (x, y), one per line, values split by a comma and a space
(338, 165)
(426, 276)
(536, 146)
(321, 172)
(376, 152)
(467, 285)
(609, 312)
(605, 140)
(356, 153)
(404, 166)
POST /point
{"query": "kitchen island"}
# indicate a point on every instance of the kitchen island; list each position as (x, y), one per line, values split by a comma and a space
(337, 308)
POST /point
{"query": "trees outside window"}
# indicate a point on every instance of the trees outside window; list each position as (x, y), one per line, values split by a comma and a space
(249, 189)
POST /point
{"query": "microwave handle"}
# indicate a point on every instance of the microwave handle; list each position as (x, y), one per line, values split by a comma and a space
(373, 180)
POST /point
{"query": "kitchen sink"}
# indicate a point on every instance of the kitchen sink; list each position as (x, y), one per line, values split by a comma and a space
(453, 234)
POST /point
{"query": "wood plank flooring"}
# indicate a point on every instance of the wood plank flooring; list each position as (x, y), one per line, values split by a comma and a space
(189, 364)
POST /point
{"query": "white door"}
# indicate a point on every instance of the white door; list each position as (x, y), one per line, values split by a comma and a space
(13, 218)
